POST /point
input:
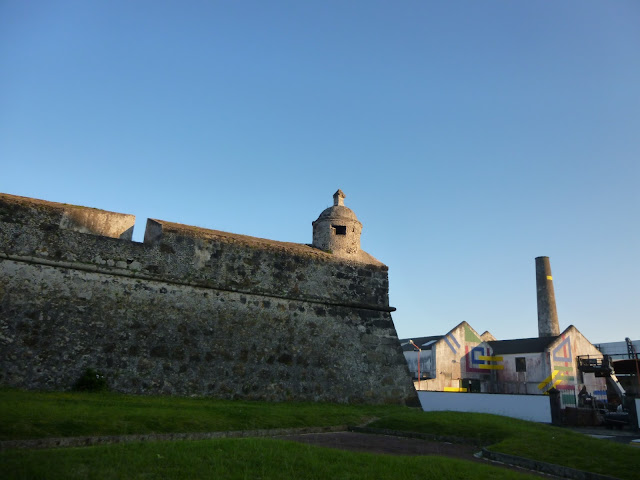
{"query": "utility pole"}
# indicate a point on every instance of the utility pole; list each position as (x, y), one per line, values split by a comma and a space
(419, 350)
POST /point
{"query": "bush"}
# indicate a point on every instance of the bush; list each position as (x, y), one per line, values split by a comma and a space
(91, 381)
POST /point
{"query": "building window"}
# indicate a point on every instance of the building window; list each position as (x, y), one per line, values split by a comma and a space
(521, 364)
(340, 229)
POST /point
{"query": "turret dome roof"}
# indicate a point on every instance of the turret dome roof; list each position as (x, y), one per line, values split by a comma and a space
(338, 212)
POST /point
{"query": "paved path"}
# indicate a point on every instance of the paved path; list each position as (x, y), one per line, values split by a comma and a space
(368, 442)
(394, 445)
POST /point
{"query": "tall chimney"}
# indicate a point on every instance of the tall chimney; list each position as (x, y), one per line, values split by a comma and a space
(547, 314)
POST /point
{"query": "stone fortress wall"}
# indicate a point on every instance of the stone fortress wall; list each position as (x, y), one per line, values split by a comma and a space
(193, 311)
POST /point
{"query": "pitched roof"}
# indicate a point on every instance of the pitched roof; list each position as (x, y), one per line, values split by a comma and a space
(521, 345)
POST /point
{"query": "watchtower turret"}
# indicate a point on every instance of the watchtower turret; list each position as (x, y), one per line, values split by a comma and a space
(337, 229)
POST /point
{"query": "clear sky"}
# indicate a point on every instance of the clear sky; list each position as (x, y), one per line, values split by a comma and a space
(469, 137)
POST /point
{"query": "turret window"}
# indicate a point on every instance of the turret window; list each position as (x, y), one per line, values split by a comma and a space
(340, 229)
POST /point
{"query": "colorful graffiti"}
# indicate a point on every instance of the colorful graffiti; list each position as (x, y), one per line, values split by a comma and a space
(450, 340)
(562, 376)
(477, 357)
(470, 336)
(479, 360)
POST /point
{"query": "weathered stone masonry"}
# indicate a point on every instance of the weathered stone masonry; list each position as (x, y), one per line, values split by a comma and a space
(191, 311)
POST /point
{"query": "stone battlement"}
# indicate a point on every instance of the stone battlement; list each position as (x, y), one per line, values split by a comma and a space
(31, 212)
(192, 310)
(39, 231)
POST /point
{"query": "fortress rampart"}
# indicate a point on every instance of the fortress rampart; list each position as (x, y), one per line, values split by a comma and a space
(190, 311)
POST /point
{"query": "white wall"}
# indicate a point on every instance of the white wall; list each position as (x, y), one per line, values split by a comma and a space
(535, 408)
(511, 381)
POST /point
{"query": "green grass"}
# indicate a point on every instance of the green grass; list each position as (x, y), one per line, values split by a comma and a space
(234, 459)
(26, 415)
(477, 428)
(525, 439)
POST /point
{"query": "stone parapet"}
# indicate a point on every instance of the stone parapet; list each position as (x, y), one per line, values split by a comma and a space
(196, 256)
(192, 311)
(30, 212)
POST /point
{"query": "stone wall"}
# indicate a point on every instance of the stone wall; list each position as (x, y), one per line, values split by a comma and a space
(191, 312)
(38, 213)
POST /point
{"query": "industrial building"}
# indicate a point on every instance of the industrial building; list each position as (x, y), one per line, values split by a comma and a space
(463, 360)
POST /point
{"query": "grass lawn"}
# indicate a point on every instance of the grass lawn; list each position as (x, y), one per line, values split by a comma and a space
(248, 458)
(525, 439)
(35, 415)
(65, 414)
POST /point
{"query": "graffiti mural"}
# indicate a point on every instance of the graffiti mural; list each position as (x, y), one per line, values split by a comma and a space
(563, 376)
(451, 340)
(479, 360)
(472, 356)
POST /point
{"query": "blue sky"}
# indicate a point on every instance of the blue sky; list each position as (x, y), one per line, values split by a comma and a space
(469, 137)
